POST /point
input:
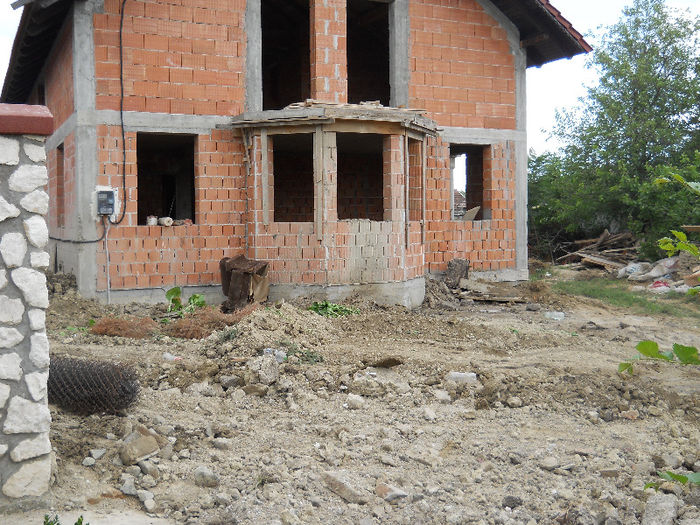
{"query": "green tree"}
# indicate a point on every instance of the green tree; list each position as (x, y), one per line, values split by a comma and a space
(643, 115)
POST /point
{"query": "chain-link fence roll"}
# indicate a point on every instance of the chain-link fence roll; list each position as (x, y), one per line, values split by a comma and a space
(87, 386)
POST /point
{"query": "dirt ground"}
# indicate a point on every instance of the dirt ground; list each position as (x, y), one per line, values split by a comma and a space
(535, 427)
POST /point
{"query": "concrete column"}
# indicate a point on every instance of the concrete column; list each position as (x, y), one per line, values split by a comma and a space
(253, 65)
(399, 51)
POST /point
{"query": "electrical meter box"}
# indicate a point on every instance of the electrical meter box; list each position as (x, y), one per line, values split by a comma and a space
(105, 202)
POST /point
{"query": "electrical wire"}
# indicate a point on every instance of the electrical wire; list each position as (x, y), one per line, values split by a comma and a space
(71, 241)
(121, 113)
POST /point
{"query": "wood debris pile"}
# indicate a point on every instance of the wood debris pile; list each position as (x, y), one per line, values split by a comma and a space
(609, 251)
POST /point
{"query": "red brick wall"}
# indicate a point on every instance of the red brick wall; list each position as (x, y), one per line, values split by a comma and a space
(462, 70)
(329, 65)
(488, 244)
(155, 256)
(62, 190)
(185, 57)
(58, 77)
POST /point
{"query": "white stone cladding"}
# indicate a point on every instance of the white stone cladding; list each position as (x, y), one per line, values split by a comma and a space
(25, 450)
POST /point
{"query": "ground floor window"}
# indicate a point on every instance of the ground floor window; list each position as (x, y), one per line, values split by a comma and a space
(360, 176)
(165, 165)
(293, 173)
(467, 164)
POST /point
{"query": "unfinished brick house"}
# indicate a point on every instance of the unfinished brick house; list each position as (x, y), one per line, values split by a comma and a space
(323, 136)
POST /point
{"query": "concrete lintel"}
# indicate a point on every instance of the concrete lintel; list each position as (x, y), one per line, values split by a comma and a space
(480, 136)
(59, 135)
(212, 295)
(406, 293)
(399, 49)
(162, 122)
(253, 68)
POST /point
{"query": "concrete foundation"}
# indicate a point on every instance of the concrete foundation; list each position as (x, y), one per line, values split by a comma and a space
(213, 295)
(409, 293)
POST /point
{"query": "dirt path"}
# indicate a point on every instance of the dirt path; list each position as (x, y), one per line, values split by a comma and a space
(535, 427)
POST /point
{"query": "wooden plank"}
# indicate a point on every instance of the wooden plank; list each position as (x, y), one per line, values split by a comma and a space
(601, 261)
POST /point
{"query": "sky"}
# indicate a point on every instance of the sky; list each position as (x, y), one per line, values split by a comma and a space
(553, 86)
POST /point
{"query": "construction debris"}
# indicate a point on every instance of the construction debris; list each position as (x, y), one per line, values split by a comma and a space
(608, 251)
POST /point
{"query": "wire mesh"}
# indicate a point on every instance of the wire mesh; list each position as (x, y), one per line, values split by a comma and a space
(87, 386)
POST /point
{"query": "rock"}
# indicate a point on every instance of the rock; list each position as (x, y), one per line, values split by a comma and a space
(660, 509)
(389, 492)
(256, 390)
(3, 450)
(39, 353)
(11, 310)
(98, 453)
(629, 414)
(37, 319)
(13, 248)
(204, 477)
(512, 501)
(668, 460)
(429, 414)
(33, 286)
(32, 479)
(36, 384)
(7, 210)
(610, 472)
(336, 482)
(128, 486)
(39, 260)
(549, 463)
(229, 381)
(10, 367)
(37, 231)
(149, 505)
(148, 481)
(442, 396)
(555, 316)
(9, 151)
(533, 307)
(31, 448)
(287, 517)
(222, 443)
(28, 178)
(462, 378)
(35, 152)
(263, 369)
(36, 202)
(4, 394)
(88, 462)
(138, 449)
(24, 416)
(373, 382)
(143, 495)
(355, 402)
(3, 278)
(514, 402)
(10, 337)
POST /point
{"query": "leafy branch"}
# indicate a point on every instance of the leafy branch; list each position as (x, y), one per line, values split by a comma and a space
(685, 355)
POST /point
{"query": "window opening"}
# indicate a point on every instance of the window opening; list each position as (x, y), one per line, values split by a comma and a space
(285, 52)
(165, 164)
(368, 51)
(293, 168)
(415, 180)
(360, 176)
(60, 187)
(467, 163)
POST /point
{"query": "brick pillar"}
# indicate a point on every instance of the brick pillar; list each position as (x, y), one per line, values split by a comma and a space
(329, 61)
(25, 460)
(394, 208)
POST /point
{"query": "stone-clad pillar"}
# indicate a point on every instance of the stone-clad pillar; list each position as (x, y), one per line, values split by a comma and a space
(25, 461)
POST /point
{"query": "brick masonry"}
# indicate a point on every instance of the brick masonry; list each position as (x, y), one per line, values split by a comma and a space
(188, 58)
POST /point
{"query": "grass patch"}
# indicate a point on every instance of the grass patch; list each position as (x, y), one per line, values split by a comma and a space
(617, 293)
